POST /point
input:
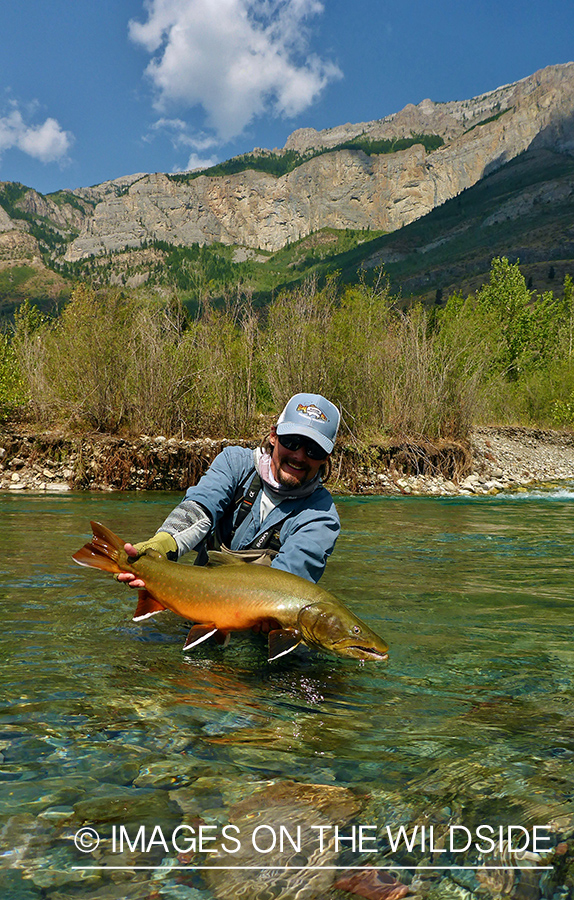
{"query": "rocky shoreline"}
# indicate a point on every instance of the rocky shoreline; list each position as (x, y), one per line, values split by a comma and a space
(496, 459)
(508, 458)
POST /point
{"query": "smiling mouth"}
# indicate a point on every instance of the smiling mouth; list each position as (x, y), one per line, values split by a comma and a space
(295, 467)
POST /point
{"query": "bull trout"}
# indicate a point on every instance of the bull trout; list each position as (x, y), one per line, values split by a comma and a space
(235, 597)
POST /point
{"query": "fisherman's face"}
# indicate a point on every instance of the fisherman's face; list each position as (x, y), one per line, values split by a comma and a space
(292, 468)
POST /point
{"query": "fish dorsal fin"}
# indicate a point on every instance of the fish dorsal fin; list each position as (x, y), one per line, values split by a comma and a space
(283, 641)
(220, 558)
(198, 633)
(147, 606)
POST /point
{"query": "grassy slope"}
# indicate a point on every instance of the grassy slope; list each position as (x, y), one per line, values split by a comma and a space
(451, 248)
(448, 250)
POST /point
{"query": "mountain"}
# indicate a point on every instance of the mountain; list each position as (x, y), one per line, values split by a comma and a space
(523, 211)
(419, 175)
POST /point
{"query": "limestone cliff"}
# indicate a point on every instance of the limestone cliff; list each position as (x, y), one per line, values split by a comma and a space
(340, 188)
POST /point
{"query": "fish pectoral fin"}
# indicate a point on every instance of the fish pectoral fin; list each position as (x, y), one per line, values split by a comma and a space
(147, 606)
(283, 641)
(199, 633)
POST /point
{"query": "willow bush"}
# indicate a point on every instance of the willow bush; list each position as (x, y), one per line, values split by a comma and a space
(108, 363)
(227, 350)
(396, 372)
(116, 362)
(361, 349)
(295, 348)
(86, 365)
(389, 370)
(163, 371)
(13, 384)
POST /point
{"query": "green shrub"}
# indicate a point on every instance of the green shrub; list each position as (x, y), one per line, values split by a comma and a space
(13, 389)
(113, 362)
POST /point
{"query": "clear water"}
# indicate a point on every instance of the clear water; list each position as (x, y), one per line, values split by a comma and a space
(106, 724)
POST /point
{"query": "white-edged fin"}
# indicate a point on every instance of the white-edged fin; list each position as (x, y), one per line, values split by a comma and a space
(282, 641)
(147, 606)
(197, 634)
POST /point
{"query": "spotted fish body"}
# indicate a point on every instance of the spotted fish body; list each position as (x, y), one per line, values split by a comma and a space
(236, 597)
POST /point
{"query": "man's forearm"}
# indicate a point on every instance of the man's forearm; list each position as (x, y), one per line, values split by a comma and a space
(188, 524)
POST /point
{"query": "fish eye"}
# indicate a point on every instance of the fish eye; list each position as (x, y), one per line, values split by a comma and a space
(356, 629)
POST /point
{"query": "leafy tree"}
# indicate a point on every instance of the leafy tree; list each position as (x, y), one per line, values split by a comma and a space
(568, 314)
(529, 327)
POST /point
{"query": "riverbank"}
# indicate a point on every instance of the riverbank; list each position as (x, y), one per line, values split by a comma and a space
(508, 458)
(496, 459)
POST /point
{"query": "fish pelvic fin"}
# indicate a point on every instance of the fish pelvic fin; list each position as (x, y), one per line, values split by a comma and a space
(199, 633)
(282, 641)
(147, 606)
(105, 551)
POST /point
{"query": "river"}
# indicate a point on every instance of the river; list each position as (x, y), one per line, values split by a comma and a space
(131, 770)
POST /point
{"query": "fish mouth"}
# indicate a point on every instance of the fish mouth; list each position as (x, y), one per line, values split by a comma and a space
(371, 653)
(359, 651)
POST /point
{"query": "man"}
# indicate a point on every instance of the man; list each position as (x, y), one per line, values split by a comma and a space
(267, 505)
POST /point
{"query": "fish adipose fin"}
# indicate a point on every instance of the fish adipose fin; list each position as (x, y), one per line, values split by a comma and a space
(147, 606)
(282, 641)
(199, 633)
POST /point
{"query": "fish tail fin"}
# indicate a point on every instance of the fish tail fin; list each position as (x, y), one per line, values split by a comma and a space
(105, 551)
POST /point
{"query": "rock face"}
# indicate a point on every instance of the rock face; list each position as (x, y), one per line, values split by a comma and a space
(341, 188)
(17, 246)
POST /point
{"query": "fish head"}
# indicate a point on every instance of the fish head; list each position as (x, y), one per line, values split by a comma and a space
(333, 627)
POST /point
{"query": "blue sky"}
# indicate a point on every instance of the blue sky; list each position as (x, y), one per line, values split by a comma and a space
(94, 89)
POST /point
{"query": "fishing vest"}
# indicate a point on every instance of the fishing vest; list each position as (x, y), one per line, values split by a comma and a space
(262, 548)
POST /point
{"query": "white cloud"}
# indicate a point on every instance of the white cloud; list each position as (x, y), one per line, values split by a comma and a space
(46, 142)
(178, 131)
(238, 59)
(196, 161)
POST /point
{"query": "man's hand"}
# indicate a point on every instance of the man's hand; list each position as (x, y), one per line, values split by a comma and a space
(163, 542)
(128, 577)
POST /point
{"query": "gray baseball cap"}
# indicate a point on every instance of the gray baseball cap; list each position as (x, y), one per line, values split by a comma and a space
(313, 416)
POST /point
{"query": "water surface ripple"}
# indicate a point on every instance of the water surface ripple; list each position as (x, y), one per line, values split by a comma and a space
(105, 723)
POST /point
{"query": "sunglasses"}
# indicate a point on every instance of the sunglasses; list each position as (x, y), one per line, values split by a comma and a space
(294, 442)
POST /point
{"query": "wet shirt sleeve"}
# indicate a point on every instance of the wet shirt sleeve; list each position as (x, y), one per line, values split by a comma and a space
(206, 502)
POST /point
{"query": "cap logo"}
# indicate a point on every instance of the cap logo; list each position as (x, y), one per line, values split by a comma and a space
(312, 411)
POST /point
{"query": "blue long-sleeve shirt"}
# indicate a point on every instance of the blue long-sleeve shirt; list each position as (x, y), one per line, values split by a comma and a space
(308, 527)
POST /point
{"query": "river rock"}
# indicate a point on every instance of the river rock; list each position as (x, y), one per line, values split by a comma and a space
(121, 804)
(523, 456)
